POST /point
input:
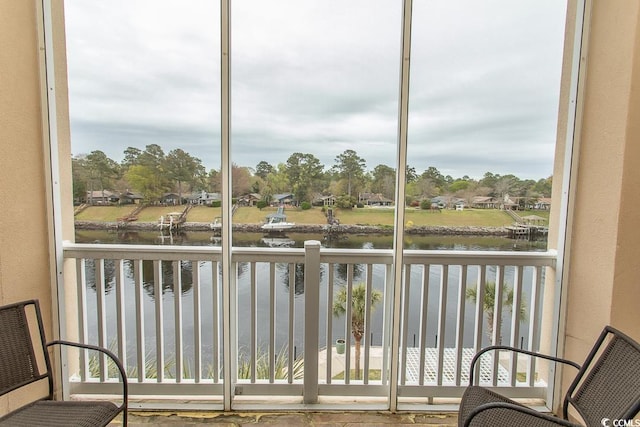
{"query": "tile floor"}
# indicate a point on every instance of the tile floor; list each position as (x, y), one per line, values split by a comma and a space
(290, 418)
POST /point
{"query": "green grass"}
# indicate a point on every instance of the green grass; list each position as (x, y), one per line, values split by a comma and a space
(253, 215)
(374, 375)
(105, 213)
(203, 214)
(153, 213)
(451, 218)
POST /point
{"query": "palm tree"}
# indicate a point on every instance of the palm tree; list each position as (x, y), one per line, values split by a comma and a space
(358, 305)
(488, 304)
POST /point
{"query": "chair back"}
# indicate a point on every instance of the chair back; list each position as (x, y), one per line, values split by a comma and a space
(608, 384)
(18, 361)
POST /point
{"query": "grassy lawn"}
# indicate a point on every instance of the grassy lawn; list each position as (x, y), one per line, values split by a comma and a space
(253, 215)
(542, 214)
(105, 213)
(374, 374)
(203, 214)
(153, 213)
(361, 216)
(452, 218)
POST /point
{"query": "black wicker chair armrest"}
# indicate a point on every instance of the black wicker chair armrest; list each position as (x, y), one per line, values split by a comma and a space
(113, 357)
(499, 419)
(516, 350)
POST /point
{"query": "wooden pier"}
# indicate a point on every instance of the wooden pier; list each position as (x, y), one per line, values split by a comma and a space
(527, 231)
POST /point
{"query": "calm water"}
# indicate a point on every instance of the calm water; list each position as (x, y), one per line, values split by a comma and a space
(296, 240)
(282, 291)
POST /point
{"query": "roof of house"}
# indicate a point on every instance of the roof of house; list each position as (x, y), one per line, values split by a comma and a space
(100, 193)
(484, 199)
(378, 198)
(130, 195)
(282, 196)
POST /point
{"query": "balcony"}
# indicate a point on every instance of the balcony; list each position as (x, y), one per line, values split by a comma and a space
(266, 337)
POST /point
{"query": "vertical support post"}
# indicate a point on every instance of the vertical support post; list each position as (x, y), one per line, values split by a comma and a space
(46, 15)
(311, 319)
(556, 286)
(225, 146)
(401, 172)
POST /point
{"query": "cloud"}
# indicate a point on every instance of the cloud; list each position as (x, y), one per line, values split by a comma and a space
(320, 77)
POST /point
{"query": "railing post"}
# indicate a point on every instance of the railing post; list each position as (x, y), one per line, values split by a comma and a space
(311, 319)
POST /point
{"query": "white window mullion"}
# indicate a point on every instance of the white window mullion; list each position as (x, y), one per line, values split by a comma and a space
(401, 170)
(225, 144)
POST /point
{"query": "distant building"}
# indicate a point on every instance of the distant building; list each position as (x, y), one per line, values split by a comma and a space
(102, 197)
(322, 200)
(171, 199)
(485, 202)
(128, 198)
(204, 198)
(447, 202)
(374, 199)
(508, 203)
(249, 199)
(283, 199)
(543, 203)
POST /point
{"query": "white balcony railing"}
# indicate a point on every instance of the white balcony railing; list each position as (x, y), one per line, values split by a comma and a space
(161, 309)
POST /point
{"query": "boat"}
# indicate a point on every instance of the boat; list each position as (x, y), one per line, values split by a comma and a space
(277, 221)
(216, 224)
(278, 242)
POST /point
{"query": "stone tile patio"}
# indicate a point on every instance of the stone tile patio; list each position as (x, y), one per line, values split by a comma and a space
(289, 418)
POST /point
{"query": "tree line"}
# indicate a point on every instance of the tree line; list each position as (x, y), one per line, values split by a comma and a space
(152, 173)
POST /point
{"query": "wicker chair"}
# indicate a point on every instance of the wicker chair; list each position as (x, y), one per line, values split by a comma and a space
(607, 387)
(24, 361)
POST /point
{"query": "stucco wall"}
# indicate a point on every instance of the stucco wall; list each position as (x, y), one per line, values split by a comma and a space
(24, 239)
(24, 247)
(603, 280)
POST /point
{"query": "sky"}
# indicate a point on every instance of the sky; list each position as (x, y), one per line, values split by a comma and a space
(321, 77)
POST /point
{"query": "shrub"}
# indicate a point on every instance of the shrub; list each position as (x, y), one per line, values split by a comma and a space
(345, 202)
(305, 206)
(425, 204)
(216, 203)
(260, 204)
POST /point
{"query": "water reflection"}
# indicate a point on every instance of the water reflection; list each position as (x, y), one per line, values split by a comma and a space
(344, 241)
(285, 277)
(425, 304)
(166, 272)
(342, 271)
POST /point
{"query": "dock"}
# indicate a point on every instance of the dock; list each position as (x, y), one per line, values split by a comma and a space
(527, 231)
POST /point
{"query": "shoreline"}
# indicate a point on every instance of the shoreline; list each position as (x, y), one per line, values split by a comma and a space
(302, 228)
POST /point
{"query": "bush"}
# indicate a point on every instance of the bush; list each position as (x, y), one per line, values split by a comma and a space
(305, 206)
(260, 204)
(345, 202)
(425, 204)
(216, 203)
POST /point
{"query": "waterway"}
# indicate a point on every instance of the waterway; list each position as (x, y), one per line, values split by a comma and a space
(282, 292)
(296, 240)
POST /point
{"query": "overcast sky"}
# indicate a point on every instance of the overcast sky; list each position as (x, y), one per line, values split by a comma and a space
(321, 77)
